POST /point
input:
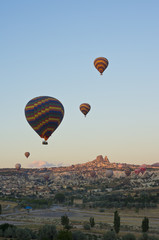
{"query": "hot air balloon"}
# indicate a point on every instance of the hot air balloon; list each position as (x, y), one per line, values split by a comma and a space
(27, 154)
(127, 171)
(109, 173)
(137, 171)
(18, 166)
(120, 165)
(85, 108)
(101, 64)
(44, 114)
(142, 168)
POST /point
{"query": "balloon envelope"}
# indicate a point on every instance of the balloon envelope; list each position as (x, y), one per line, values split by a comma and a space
(27, 154)
(18, 166)
(109, 173)
(142, 169)
(127, 171)
(44, 114)
(85, 108)
(101, 64)
(137, 171)
(120, 165)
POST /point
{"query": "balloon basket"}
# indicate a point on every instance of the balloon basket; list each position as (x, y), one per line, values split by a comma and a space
(45, 143)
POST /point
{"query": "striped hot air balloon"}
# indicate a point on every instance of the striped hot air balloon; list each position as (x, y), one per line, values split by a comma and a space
(85, 108)
(127, 171)
(101, 64)
(18, 166)
(44, 114)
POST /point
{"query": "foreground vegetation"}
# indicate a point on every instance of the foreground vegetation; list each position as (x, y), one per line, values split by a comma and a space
(68, 232)
(49, 232)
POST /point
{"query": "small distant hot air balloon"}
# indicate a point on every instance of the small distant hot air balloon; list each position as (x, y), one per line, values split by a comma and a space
(137, 171)
(142, 168)
(18, 166)
(85, 108)
(127, 171)
(27, 154)
(109, 173)
(44, 114)
(101, 63)
(120, 165)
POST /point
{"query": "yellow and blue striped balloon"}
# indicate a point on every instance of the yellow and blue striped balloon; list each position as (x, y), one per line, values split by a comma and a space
(85, 108)
(127, 171)
(101, 64)
(44, 114)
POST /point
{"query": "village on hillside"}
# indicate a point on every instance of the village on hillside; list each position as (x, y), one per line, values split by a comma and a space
(90, 176)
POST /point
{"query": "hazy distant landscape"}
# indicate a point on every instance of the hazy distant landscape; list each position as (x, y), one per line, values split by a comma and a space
(81, 191)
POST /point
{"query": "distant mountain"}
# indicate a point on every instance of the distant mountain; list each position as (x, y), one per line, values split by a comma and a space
(155, 164)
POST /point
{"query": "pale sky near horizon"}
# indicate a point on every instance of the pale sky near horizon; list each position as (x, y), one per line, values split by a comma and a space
(47, 48)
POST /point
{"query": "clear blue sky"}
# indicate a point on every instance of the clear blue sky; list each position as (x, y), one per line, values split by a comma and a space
(47, 48)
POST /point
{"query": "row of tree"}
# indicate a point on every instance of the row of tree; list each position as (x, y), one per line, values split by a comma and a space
(49, 232)
(144, 225)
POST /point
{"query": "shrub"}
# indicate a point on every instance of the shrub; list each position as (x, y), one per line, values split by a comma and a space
(1, 233)
(129, 236)
(60, 197)
(86, 226)
(64, 235)
(110, 235)
(24, 234)
(144, 237)
(4, 226)
(47, 232)
(153, 238)
(10, 232)
(101, 210)
(65, 221)
(78, 235)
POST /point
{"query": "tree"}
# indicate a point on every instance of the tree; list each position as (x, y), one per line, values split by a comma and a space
(60, 197)
(0, 209)
(116, 222)
(145, 224)
(47, 232)
(92, 222)
(65, 221)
